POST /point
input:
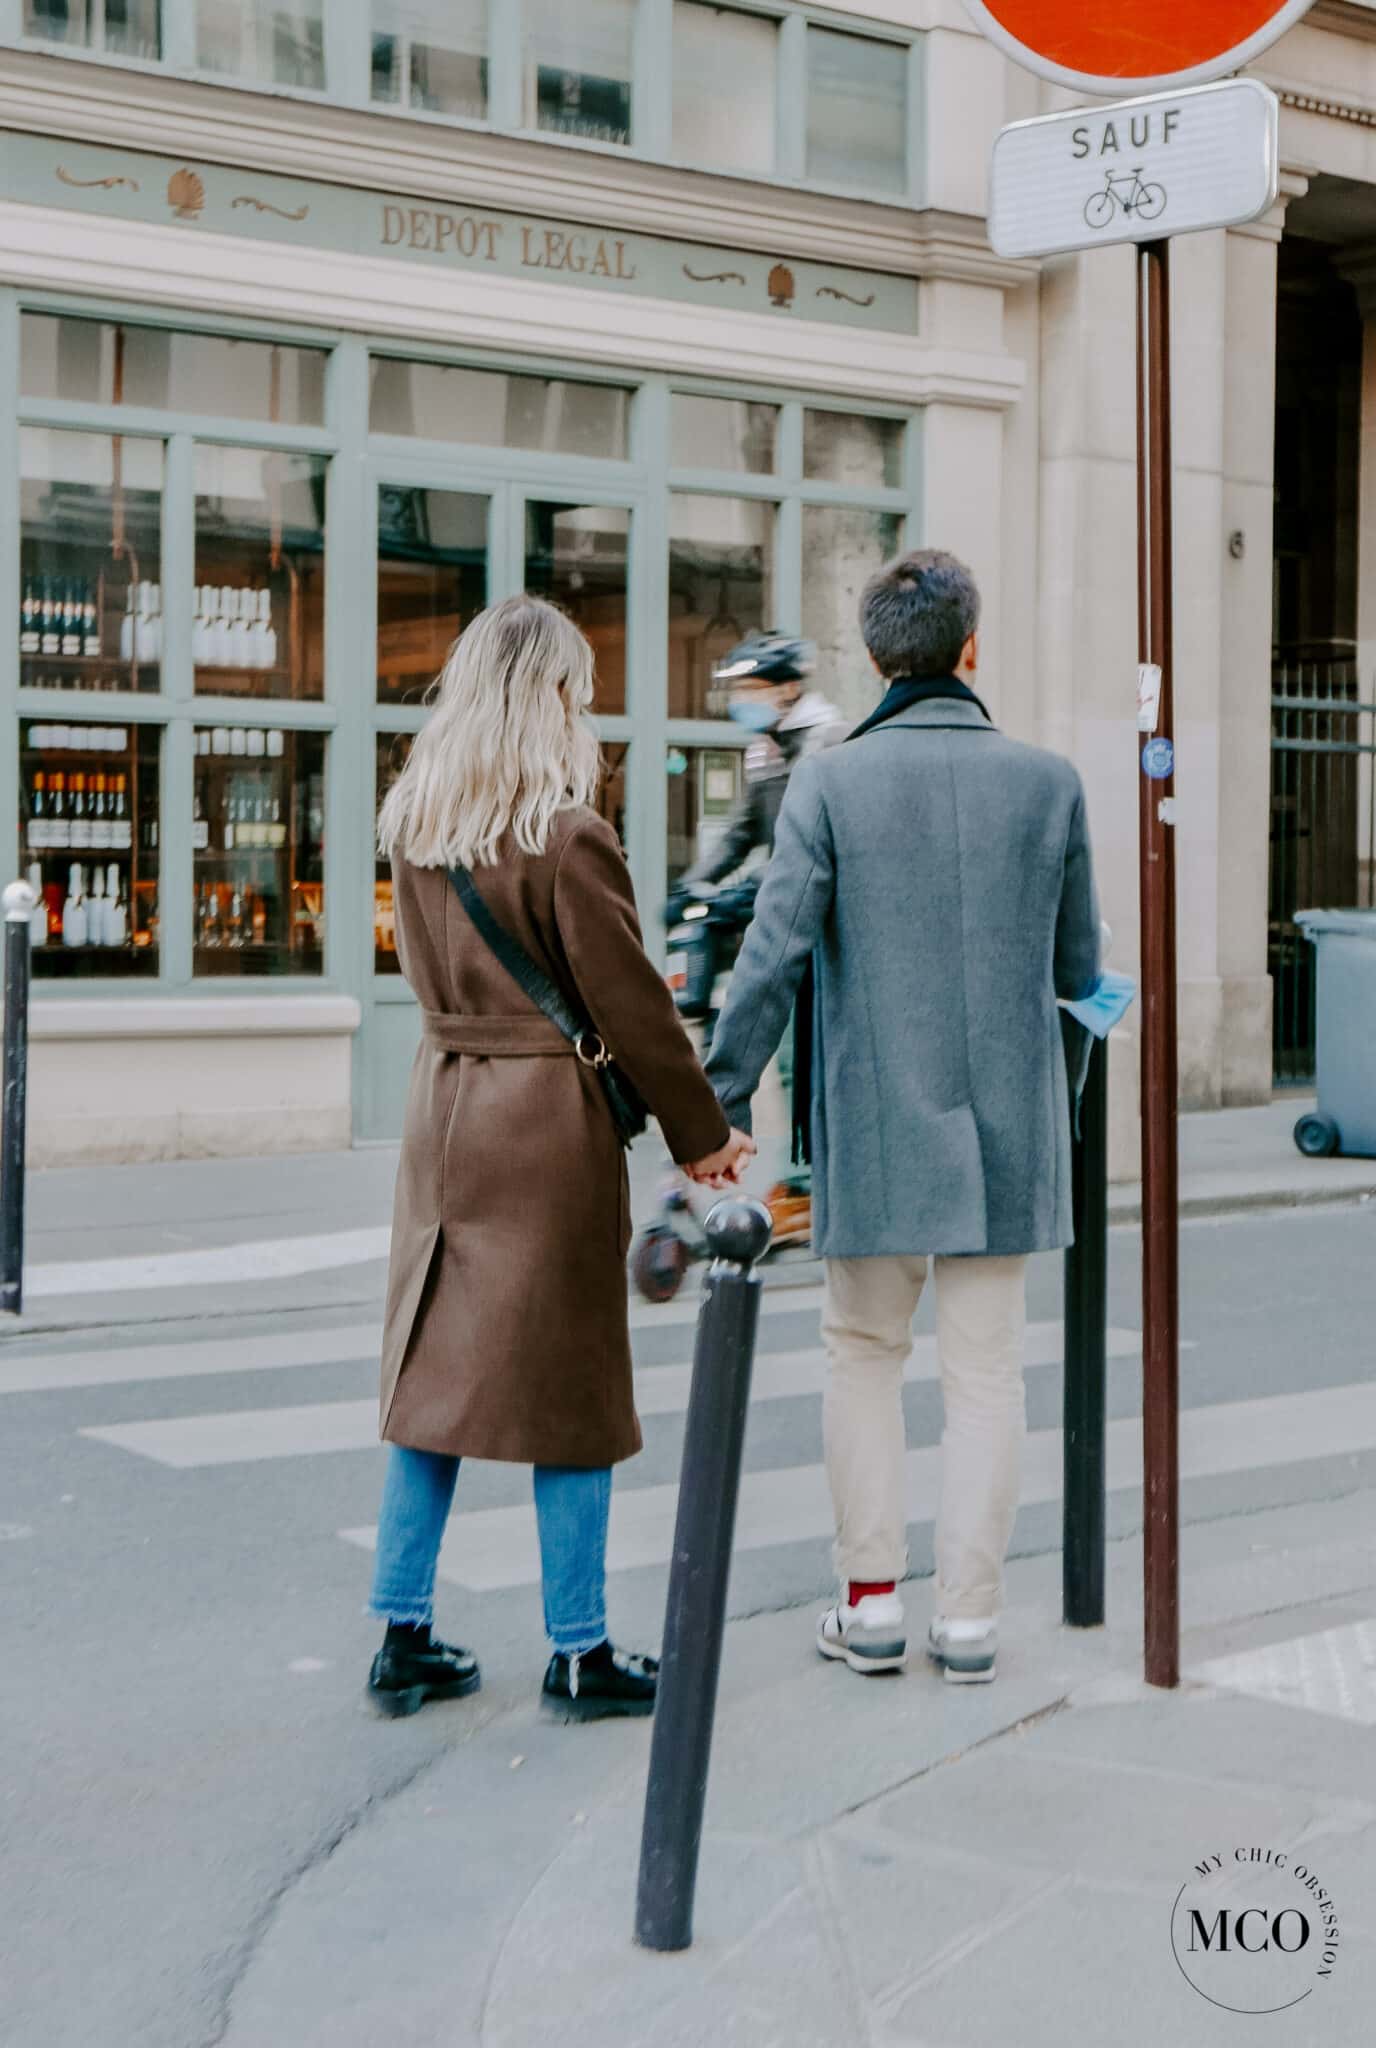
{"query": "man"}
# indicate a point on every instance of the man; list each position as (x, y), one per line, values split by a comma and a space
(938, 874)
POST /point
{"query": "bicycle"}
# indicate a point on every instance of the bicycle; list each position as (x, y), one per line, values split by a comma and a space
(1147, 201)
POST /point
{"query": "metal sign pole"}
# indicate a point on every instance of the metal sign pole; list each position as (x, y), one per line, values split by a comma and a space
(1156, 838)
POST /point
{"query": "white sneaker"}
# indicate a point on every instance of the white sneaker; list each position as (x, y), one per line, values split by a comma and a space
(870, 1636)
(965, 1649)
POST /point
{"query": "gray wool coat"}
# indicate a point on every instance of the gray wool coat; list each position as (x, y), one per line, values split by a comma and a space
(941, 874)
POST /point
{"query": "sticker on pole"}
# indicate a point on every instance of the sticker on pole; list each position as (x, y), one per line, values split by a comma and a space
(1158, 760)
(1121, 46)
(1208, 157)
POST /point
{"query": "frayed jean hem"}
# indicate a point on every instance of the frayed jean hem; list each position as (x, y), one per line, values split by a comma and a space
(576, 1642)
(405, 1614)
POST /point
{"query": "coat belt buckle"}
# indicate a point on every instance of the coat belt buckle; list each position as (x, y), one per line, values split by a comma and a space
(582, 1046)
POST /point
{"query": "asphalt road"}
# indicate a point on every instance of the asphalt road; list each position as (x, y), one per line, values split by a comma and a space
(185, 1647)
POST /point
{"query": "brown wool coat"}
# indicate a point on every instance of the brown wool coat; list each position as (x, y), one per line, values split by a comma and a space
(506, 1332)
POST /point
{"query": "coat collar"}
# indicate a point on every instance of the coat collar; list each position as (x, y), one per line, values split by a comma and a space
(941, 711)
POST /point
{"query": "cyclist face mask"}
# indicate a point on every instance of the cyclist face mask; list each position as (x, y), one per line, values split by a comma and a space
(756, 714)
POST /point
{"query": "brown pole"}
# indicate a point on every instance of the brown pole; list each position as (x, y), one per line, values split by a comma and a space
(1156, 841)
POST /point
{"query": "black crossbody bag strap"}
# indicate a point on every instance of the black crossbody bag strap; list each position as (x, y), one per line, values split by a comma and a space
(518, 963)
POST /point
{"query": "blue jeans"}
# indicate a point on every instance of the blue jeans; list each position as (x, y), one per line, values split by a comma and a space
(571, 1507)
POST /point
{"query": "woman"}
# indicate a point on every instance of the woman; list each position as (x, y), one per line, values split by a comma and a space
(506, 1333)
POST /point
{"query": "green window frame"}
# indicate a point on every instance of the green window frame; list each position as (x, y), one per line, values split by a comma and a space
(348, 58)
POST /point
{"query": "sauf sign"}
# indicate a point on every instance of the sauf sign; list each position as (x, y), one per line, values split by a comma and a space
(1135, 171)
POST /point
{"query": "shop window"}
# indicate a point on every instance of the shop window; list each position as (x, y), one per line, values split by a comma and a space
(120, 28)
(852, 448)
(704, 786)
(721, 588)
(578, 67)
(259, 612)
(90, 588)
(611, 798)
(431, 54)
(857, 111)
(579, 556)
(724, 81)
(88, 842)
(263, 42)
(431, 581)
(499, 409)
(94, 362)
(258, 838)
(390, 755)
(843, 546)
(722, 433)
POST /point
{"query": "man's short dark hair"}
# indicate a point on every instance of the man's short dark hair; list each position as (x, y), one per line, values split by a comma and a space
(918, 613)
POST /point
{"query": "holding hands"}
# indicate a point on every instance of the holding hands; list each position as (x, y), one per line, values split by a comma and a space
(723, 1168)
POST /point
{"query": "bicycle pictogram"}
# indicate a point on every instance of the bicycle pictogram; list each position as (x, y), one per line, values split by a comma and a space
(1124, 191)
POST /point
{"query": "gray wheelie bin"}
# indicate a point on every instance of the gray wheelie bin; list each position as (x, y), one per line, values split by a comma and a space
(1345, 1121)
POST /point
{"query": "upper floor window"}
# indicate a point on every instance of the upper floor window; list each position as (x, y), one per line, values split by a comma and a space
(578, 67)
(264, 42)
(94, 362)
(432, 55)
(120, 28)
(724, 85)
(857, 109)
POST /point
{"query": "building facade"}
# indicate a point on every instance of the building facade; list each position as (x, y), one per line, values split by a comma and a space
(322, 326)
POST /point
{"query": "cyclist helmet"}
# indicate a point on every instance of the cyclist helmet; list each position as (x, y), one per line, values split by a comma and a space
(767, 658)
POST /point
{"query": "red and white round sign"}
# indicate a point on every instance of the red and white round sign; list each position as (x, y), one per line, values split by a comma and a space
(1128, 46)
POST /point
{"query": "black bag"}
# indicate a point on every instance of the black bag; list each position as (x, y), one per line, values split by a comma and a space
(629, 1113)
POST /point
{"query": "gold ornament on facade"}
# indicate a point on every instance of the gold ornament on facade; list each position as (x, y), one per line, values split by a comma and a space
(266, 206)
(94, 184)
(781, 285)
(185, 194)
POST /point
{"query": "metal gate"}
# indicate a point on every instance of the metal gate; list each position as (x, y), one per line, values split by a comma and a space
(1323, 830)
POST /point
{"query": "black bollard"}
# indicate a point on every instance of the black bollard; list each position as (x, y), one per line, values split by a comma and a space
(738, 1234)
(1086, 1330)
(20, 903)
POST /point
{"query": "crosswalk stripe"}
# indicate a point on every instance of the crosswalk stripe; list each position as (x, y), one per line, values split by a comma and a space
(45, 1373)
(274, 1258)
(246, 1435)
(496, 1548)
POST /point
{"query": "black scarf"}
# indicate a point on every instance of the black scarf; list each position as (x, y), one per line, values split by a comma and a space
(903, 692)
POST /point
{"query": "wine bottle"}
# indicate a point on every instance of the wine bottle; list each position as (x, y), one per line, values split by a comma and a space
(70, 640)
(234, 923)
(200, 826)
(38, 916)
(59, 834)
(50, 628)
(90, 628)
(277, 831)
(127, 626)
(95, 909)
(80, 834)
(210, 916)
(30, 620)
(231, 819)
(100, 817)
(38, 816)
(121, 831)
(74, 909)
(116, 909)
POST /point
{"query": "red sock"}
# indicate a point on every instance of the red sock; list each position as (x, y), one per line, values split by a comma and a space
(858, 1589)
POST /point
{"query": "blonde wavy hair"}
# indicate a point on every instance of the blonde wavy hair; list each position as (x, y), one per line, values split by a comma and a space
(507, 747)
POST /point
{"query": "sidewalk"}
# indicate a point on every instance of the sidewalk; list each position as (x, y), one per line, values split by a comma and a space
(216, 1237)
(894, 1862)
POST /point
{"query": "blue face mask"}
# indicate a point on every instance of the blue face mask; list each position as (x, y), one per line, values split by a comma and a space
(755, 717)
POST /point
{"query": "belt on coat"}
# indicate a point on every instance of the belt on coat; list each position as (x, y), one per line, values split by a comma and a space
(496, 1038)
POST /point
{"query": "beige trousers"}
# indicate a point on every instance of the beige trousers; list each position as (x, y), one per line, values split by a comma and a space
(981, 1321)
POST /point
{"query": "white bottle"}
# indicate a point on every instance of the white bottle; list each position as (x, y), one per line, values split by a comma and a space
(38, 916)
(74, 909)
(245, 651)
(224, 627)
(116, 912)
(155, 622)
(266, 631)
(126, 627)
(198, 628)
(95, 909)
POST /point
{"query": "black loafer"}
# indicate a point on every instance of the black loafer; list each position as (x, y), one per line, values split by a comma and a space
(599, 1684)
(403, 1679)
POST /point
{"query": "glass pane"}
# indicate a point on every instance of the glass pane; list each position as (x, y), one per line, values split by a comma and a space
(259, 625)
(431, 580)
(857, 111)
(721, 587)
(852, 448)
(90, 561)
(270, 42)
(722, 433)
(578, 67)
(724, 86)
(431, 54)
(577, 555)
(704, 783)
(843, 546)
(88, 841)
(258, 834)
(123, 28)
(611, 791)
(96, 363)
(499, 409)
(391, 751)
